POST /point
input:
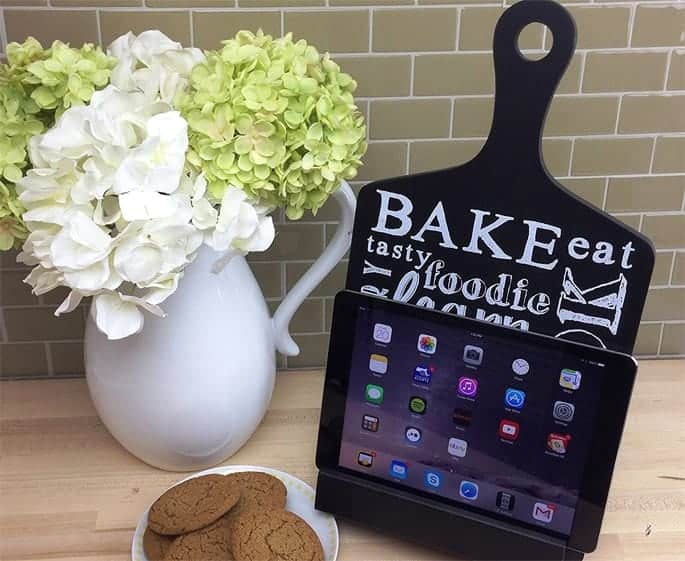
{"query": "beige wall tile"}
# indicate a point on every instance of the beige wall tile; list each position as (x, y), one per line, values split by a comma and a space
(73, 26)
(590, 189)
(601, 26)
(557, 154)
(624, 71)
(607, 156)
(662, 268)
(652, 113)
(210, 28)
(97, 3)
(27, 359)
(581, 115)
(313, 351)
(669, 155)
(40, 324)
(415, 118)
(627, 194)
(174, 24)
(451, 74)
(67, 359)
(190, 3)
(369, 2)
(570, 82)
(472, 116)
(328, 314)
(295, 241)
(8, 260)
(279, 3)
(667, 232)
(665, 304)
(330, 286)
(676, 73)
(657, 26)
(647, 342)
(382, 160)
(23, 2)
(269, 276)
(438, 154)
(309, 317)
(673, 341)
(414, 30)
(14, 291)
(477, 27)
(337, 32)
(378, 75)
(632, 220)
(679, 268)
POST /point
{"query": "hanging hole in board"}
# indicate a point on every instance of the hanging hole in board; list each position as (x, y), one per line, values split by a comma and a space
(534, 41)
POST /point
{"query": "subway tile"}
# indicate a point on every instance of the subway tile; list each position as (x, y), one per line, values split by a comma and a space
(669, 154)
(379, 75)
(609, 156)
(438, 154)
(556, 154)
(67, 359)
(40, 324)
(414, 30)
(369, 2)
(383, 160)
(23, 2)
(601, 27)
(295, 241)
(662, 268)
(190, 3)
(472, 116)
(210, 28)
(581, 115)
(628, 194)
(23, 359)
(279, 3)
(652, 113)
(329, 286)
(313, 351)
(666, 231)
(673, 340)
(665, 304)
(72, 26)
(269, 276)
(410, 118)
(96, 3)
(676, 72)
(309, 317)
(624, 71)
(14, 291)
(330, 232)
(632, 220)
(589, 189)
(174, 24)
(659, 26)
(328, 314)
(570, 82)
(477, 27)
(450, 74)
(8, 260)
(647, 341)
(679, 268)
(337, 32)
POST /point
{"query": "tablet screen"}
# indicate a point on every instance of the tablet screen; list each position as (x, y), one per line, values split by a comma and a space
(492, 422)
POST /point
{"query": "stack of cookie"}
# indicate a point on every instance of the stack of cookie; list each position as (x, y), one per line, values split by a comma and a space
(236, 517)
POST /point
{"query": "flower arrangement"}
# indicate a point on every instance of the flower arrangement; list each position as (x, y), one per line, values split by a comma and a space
(117, 166)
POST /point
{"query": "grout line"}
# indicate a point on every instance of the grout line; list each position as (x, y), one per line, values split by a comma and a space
(668, 68)
(651, 157)
(451, 123)
(484, 95)
(642, 219)
(3, 31)
(371, 18)
(457, 34)
(412, 66)
(192, 28)
(618, 114)
(661, 339)
(631, 23)
(606, 194)
(282, 23)
(3, 328)
(48, 358)
(670, 273)
(570, 156)
(98, 25)
(408, 156)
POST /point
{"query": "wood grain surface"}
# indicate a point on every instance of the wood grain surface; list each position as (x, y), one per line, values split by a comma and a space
(68, 491)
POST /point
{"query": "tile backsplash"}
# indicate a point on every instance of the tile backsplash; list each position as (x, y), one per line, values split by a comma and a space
(615, 134)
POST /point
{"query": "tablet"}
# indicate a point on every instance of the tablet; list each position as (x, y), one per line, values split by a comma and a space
(516, 426)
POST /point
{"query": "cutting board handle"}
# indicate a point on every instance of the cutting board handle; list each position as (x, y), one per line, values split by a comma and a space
(524, 87)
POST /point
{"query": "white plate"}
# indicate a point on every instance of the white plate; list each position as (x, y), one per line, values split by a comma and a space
(300, 500)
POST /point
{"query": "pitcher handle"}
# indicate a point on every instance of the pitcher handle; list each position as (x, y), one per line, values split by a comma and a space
(333, 253)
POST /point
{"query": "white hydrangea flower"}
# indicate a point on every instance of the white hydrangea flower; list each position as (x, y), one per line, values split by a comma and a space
(153, 64)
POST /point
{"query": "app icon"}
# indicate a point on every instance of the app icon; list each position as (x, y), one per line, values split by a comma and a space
(558, 442)
(467, 386)
(378, 364)
(520, 366)
(432, 479)
(514, 398)
(417, 405)
(427, 344)
(365, 459)
(509, 430)
(457, 447)
(382, 333)
(468, 490)
(569, 379)
(412, 434)
(544, 512)
(398, 469)
(473, 355)
(370, 423)
(374, 394)
(564, 411)
(462, 417)
(505, 501)
(422, 374)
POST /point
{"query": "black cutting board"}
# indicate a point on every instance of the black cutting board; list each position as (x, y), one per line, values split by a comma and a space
(498, 238)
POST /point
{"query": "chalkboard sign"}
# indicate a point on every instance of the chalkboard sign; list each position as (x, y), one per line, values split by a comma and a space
(498, 238)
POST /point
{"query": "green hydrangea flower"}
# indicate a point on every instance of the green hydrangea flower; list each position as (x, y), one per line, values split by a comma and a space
(275, 118)
(12, 229)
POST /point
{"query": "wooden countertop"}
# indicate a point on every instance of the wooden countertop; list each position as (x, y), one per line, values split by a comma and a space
(69, 491)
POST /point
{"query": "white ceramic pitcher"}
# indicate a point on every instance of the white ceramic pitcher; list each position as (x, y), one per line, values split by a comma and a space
(190, 389)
